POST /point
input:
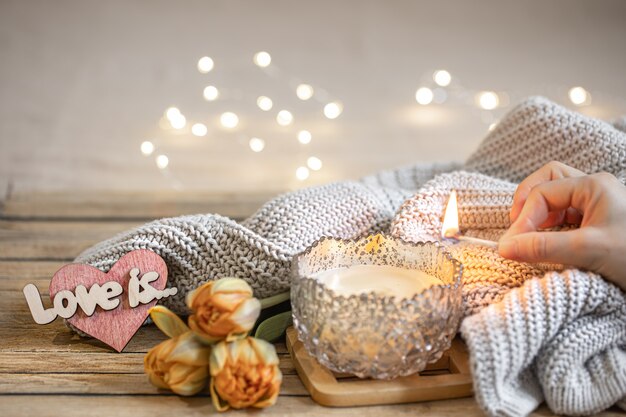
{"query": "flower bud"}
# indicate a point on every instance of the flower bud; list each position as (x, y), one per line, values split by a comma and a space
(179, 364)
(222, 309)
(244, 373)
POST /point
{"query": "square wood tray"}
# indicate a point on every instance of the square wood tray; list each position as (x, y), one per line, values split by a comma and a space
(449, 377)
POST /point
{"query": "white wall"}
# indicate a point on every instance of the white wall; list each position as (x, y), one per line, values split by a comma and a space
(83, 83)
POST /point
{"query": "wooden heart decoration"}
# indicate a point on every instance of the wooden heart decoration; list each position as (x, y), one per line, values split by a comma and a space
(117, 326)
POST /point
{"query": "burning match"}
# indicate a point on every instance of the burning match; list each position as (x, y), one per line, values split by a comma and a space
(450, 227)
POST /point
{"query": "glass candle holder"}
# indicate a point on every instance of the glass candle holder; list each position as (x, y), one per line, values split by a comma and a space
(371, 334)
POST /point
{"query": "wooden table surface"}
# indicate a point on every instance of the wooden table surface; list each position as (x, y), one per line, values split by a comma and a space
(48, 371)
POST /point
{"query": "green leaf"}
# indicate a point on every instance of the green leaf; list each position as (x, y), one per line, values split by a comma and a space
(274, 327)
(274, 300)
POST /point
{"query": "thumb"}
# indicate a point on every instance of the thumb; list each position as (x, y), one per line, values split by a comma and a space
(569, 248)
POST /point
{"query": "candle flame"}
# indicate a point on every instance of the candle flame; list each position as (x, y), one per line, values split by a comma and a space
(450, 227)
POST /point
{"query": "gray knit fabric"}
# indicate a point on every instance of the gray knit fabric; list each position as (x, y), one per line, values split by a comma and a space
(562, 337)
(208, 246)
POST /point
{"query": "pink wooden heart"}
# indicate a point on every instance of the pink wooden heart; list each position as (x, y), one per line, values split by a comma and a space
(114, 327)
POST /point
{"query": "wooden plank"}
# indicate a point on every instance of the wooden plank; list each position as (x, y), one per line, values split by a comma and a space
(140, 405)
(90, 362)
(54, 240)
(131, 205)
(25, 270)
(200, 406)
(103, 383)
(18, 337)
(19, 329)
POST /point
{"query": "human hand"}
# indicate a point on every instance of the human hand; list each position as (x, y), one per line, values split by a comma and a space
(557, 194)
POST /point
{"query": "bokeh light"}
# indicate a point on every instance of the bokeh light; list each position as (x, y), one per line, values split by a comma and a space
(442, 78)
(229, 120)
(304, 137)
(487, 100)
(257, 144)
(147, 148)
(424, 96)
(284, 118)
(199, 129)
(264, 103)
(302, 173)
(210, 93)
(314, 163)
(262, 59)
(205, 64)
(304, 92)
(333, 110)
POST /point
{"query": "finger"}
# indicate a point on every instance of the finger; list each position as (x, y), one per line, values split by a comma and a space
(549, 172)
(557, 195)
(555, 218)
(573, 216)
(570, 248)
(559, 218)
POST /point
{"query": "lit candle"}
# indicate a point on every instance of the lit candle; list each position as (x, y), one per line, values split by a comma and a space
(384, 280)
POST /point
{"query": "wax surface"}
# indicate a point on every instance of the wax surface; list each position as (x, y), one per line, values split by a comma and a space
(382, 279)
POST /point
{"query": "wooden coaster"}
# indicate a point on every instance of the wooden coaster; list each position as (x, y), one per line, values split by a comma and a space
(449, 377)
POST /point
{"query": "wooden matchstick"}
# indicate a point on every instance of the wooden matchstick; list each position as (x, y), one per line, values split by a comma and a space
(477, 241)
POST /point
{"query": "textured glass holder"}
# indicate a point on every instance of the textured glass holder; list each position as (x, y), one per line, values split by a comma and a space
(371, 335)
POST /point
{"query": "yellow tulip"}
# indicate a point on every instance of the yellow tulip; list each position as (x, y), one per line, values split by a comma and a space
(179, 364)
(222, 309)
(244, 373)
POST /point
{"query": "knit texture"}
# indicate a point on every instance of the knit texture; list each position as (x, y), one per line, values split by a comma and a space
(259, 250)
(562, 336)
(484, 204)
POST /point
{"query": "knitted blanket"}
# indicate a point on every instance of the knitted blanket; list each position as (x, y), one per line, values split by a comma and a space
(517, 357)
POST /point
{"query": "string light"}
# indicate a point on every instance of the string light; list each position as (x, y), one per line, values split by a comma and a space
(442, 78)
(205, 64)
(199, 129)
(488, 100)
(284, 118)
(229, 120)
(493, 126)
(147, 148)
(578, 96)
(264, 103)
(162, 161)
(304, 92)
(304, 137)
(424, 96)
(178, 122)
(172, 112)
(175, 117)
(314, 163)
(262, 59)
(333, 110)
(210, 93)
(302, 173)
(256, 144)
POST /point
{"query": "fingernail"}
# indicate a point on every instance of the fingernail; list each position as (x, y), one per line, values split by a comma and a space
(508, 248)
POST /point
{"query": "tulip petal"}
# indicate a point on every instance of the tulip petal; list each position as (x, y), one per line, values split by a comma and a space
(167, 321)
(231, 285)
(157, 382)
(190, 351)
(218, 358)
(246, 314)
(186, 380)
(215, 398)
(228, 301)
(204, 288)
(265, 351)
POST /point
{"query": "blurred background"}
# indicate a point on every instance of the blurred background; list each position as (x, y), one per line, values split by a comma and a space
(275, 95)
